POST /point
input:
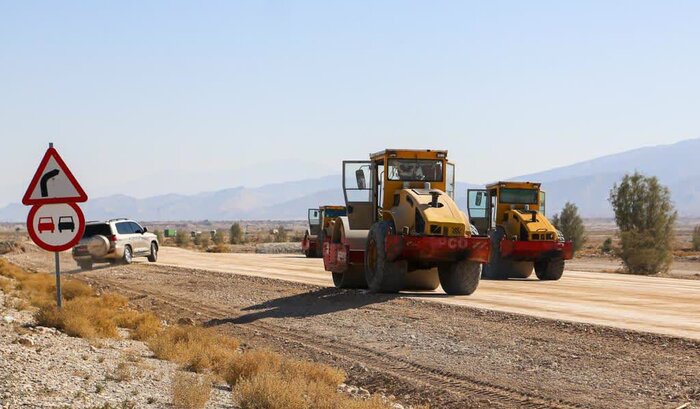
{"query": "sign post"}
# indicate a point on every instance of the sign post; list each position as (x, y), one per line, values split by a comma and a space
(55, 222)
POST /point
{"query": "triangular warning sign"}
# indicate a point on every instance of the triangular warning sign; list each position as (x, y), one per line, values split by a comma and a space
(53, 182)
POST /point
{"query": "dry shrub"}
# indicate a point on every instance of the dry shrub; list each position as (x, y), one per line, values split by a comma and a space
(312, 371)
(97, 317)
(144, 325)
(190, 391)
(273, 390)
(219, 248)
(6, 285)
(71, 289)
(147, 326)
(251, 363)
(196, 349)
(84, 317)
(40, 289)
(269, 390)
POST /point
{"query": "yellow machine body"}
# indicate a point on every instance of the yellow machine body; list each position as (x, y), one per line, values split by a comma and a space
(519, 209)
(413, 193)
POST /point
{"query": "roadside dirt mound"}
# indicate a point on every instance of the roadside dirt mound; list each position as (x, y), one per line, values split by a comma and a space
(278, 248)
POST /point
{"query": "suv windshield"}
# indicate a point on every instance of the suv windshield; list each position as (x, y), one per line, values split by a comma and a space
(428, 170)
(518, 196)
(97, 229)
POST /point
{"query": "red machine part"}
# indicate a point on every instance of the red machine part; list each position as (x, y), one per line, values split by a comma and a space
(533, 250)
(337, 257)
(309, 244)
(438, 249)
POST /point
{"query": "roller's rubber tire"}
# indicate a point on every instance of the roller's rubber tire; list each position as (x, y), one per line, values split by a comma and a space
(460, 278)
(550, 269)
(128, 256)
(421, 280)
(354, 277)
(382, 276)
(153, 257)
(85, 265)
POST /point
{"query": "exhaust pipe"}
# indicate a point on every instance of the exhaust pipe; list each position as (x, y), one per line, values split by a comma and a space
(435, 196)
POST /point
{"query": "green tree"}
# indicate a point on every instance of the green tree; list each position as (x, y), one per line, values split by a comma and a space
(236, 234)
(606, 247)
(281, 234)
(159, 235)
(219, 237)
(646, 218)
(570, 224)
(204, 242)
(696, 238)
(182, 238)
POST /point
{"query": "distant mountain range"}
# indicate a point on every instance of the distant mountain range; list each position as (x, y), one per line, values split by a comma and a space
(587, 184)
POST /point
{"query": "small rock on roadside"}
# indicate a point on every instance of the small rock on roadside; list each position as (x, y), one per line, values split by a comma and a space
(185, 321)
(25, 341)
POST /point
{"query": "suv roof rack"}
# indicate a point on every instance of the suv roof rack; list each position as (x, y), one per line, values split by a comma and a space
(118, 219)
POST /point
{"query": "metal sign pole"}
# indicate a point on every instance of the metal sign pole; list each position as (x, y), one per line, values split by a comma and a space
(58, 279)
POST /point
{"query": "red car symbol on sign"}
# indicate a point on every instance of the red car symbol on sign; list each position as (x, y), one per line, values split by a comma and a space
(46, 224)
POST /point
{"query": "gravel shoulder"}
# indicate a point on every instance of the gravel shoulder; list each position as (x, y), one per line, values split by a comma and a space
(43, 368)
(449, 356)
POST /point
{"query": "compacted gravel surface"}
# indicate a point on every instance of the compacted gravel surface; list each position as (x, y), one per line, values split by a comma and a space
(450, 356)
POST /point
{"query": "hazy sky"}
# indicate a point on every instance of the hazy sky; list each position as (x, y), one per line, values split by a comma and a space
(148, 97)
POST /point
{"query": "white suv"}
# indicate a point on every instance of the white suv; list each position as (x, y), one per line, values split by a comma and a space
(114, 241)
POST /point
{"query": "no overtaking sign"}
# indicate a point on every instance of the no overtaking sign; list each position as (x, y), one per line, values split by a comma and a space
(55, 221)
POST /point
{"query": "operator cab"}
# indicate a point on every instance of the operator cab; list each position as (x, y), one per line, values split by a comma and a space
(372, 187)
(490, 207)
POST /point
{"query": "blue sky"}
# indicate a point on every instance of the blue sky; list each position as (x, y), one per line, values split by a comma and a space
(148, 97)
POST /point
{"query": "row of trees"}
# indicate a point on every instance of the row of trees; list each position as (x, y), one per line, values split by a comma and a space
(645, 216)
(236, 235)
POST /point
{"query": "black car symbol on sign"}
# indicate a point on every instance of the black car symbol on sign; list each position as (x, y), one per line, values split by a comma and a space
(66, 223)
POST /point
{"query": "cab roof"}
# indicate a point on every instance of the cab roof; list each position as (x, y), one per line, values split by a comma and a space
(514, 185)
(332, 207)
(410, 154)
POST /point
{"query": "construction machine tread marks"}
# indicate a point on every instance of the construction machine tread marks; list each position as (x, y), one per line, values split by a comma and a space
(550, 269)
(460, 278)
(382, 275)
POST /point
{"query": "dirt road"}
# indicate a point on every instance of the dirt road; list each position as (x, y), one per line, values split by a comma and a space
(652, 304)
(451, 356)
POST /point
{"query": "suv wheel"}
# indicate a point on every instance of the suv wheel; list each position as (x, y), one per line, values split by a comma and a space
(153, 257)
(128, 255)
